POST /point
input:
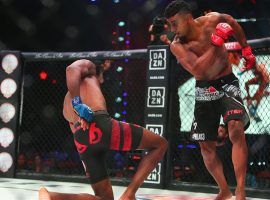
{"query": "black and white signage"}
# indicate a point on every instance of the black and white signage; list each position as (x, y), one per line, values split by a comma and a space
(157, 59)
(155, 128)
(156, 103)
(156, 97)
(154, 176)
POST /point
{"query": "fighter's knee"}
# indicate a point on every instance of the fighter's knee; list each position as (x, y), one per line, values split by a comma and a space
(163, 144)
(206, 151)
(236, 130)
(208, 155)
(160, 143)
(105, 195)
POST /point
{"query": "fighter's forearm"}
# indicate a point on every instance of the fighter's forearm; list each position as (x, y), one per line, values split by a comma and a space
(73, 76)
(207, 57)
(239, 34)
(76, 72)
(179, 52)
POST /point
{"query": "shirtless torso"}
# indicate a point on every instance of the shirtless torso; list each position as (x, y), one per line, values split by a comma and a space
(199, 47)
(199, 56)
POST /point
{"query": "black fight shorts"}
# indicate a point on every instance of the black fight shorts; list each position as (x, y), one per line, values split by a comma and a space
(104, 134)
(214, 99)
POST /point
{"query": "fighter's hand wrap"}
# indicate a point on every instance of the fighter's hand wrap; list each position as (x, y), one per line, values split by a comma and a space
(223, 32)
(82, 110)
(249, 57)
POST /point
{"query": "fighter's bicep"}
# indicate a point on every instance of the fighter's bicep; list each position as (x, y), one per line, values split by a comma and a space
(217, 18)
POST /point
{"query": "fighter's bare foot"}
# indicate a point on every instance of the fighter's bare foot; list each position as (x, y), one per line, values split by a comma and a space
(224, 195)
(43, 194)
(240, 194)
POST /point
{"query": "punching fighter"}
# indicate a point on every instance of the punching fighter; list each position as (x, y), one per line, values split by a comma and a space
(199, 48)
(95, 133)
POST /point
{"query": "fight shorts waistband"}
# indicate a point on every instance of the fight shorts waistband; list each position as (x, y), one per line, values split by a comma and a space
(216, 83)
(96, 113)
(101, 112)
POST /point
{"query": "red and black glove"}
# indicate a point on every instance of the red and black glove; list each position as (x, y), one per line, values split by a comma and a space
(250, 59)
(223, 32)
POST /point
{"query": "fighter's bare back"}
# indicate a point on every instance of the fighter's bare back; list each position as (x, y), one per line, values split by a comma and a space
(201, 58)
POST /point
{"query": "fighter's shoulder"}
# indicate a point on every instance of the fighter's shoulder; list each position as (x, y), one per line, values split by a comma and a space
(208, 20)
(214, 17)
(213, 14)
(83, 62)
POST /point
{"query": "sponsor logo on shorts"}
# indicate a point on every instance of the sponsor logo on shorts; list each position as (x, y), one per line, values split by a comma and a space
(198, 136)
(157, 59)
(232, 89)
(156, 97)
(208, 94)
(95, 134)
(232, 112)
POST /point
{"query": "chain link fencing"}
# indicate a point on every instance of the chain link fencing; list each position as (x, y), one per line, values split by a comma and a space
(46, 146)
(187, 165)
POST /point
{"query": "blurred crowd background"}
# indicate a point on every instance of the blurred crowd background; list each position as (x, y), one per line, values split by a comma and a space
(90, 25)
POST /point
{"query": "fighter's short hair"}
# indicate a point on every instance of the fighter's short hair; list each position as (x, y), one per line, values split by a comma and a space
(177, 6)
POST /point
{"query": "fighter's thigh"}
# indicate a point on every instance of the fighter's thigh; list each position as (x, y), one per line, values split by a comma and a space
(103, 189)
(151, 140)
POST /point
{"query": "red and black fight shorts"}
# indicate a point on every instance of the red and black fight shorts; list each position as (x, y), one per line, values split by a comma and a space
(214, 99)
(104, 134)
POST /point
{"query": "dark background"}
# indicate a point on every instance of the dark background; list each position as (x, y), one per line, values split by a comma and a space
(87, 25)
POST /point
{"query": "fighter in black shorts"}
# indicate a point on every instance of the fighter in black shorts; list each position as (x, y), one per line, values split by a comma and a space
(95, 133)
(217, 98)
(104, 134)
(199, 47)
